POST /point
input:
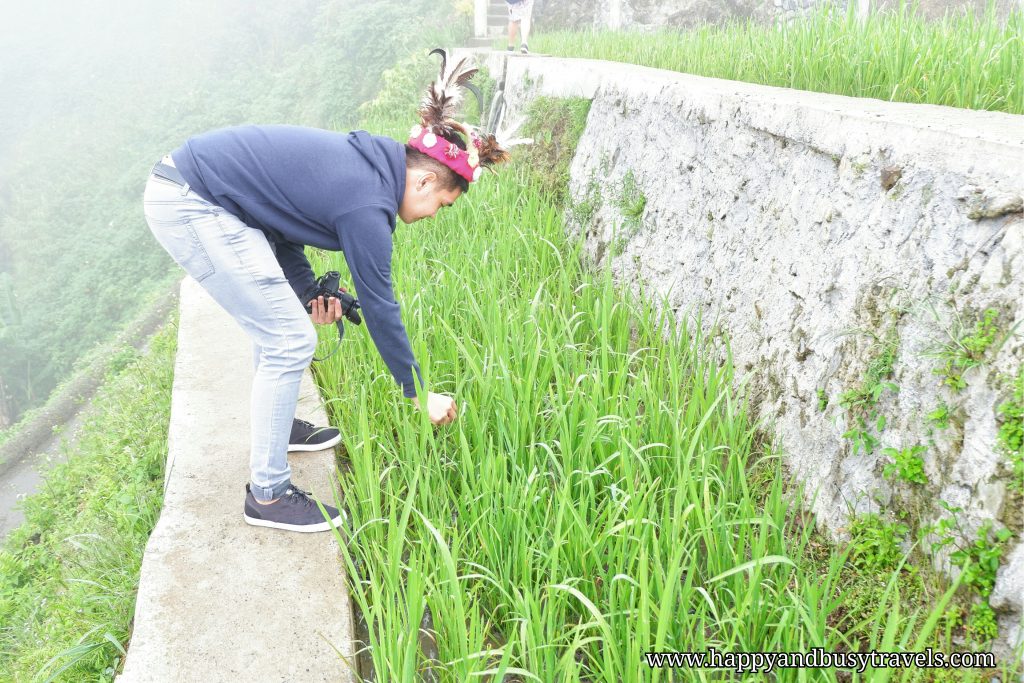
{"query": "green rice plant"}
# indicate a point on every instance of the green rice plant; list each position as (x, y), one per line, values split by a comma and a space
(604, 492)
(962, 60)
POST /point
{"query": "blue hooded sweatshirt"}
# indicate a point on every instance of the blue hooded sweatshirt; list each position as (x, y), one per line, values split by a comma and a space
(305, 186)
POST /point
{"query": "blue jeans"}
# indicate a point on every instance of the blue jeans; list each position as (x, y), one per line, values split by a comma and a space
(235, 264)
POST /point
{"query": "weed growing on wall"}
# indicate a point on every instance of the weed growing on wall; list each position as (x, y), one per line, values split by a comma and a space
(906, 464)
(967, 350)
(939, 417)
(876, 543)
(979, 562)
(861, 402)
(1010, 438)
(631, 200)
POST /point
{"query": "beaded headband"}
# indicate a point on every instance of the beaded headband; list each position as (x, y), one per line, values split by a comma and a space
(437, 121)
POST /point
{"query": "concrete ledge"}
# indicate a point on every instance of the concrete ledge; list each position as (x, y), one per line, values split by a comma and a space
(832, 124)
(220, 600)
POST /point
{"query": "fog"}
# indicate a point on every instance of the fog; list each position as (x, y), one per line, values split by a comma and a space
(92, 93)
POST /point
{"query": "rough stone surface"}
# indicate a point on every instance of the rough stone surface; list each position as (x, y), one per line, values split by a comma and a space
(765, 216)
(220, 600)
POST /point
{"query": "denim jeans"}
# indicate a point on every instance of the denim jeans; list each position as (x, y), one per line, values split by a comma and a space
(235, 264)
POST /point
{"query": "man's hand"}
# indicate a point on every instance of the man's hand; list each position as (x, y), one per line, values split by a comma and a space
(325, 313)
(442, 409)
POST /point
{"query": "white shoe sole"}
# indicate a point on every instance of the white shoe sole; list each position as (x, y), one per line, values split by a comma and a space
(292, 447)
(301, 528)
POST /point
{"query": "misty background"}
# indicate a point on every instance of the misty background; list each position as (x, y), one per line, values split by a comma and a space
(93, 93)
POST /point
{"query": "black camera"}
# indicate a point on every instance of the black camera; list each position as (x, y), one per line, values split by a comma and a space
(327, 287)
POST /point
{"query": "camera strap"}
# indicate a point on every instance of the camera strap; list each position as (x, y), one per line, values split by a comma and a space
(337, 344)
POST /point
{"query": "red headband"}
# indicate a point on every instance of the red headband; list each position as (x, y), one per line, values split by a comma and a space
(465, 163)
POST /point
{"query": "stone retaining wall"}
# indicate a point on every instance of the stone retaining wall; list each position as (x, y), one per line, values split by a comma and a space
(826, 237)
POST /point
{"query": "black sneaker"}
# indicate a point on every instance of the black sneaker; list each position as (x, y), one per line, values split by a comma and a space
(293, 511)
(306, 437)
(524, 49)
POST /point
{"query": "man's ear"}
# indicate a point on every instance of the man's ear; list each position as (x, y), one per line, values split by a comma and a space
(426, 178)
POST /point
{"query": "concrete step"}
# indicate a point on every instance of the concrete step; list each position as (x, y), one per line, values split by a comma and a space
(221, 601)
(485, 42)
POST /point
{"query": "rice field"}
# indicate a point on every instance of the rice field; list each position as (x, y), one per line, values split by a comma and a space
(965, 60)
(604, 493)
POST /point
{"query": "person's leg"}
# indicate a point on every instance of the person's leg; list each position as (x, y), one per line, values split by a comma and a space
(236, 265)
(511, 33)
(524, 24)
(304, 436)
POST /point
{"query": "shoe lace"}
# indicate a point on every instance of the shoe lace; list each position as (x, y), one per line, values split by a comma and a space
(307, 425)
(300, 497)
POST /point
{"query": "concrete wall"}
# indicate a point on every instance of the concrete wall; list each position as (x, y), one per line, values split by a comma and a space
(811, 228)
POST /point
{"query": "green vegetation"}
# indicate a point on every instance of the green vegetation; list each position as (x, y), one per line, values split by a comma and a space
(556, 125)
(604, 492)
(962, 61)
(967, 350)
(906, 464)
(631, 202)
(822, 396)
(876, 544)
(1010, 439)
(68, 575)
(861, 402)
(631, 199)
(71, 225)
(939, 417)
(584, 210)
(979, 562)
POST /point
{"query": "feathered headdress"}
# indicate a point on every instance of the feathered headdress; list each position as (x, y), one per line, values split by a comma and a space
(437, 121)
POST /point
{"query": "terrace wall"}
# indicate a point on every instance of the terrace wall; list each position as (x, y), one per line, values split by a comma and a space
(810, 228)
